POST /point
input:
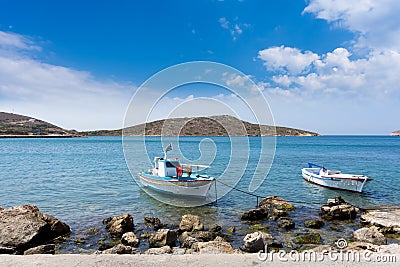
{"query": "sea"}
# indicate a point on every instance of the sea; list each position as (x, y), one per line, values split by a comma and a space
(82, 181)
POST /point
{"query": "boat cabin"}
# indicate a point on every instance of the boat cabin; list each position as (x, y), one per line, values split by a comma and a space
(167, 167)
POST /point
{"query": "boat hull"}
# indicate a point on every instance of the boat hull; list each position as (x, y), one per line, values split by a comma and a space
(180, 187)
(354, 183)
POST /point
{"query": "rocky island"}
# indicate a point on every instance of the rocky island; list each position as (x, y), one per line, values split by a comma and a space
(395, 133)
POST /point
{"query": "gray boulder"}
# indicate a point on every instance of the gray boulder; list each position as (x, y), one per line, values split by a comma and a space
(119, 249)
(43, 249)
(190, 223)
(338, 209)
(119, 225)
(388, 221)
(130, 239)
(163, 237)
(217, 246)
(256, 241)
(24, 227)
(370, 235)
(159, 251)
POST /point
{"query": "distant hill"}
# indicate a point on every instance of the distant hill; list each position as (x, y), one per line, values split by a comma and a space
(203, 126)
(395, 133)
(19, 125)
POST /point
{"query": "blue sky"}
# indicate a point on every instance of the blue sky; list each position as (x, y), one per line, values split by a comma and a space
(327, 66)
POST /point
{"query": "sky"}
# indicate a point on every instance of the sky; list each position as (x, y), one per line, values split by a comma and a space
(330, 66)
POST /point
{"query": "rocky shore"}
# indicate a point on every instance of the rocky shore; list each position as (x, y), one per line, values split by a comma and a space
(272, 227)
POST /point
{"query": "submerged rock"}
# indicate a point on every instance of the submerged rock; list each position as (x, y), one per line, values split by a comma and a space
(153, 221)
(256, 241)
(370, 235)
(43, 249)
(119, 225)
(308, 238)
(130, 239)
(190, 223)
(24, 227)
(286, 223)
(387, 221)
(338, 209)
(163, 237)
(314, 223)
(254, 215)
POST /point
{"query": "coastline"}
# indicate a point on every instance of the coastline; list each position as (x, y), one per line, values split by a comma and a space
(233, 260)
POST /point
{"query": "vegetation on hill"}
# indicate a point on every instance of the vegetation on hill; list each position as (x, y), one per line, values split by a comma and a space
(14, 124)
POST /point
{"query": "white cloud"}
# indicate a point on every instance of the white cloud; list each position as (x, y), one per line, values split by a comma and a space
(287, 59)
(375, 22)
(361, 91)
(63, 96)
(235, 29)
(12, 40)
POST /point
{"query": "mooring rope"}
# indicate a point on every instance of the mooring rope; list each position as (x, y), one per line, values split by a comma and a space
(259, 196)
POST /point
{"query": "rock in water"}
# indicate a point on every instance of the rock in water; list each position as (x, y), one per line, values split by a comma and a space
(24, 227)
(256, 241)
(308, 238)
(254, 215)
(119, 225)
(190, 223)
(286, 223)
(276, 207)
(314, 223)
(370, 235)
(153, 221)
(130, 239)
(338, 209)
(163, 237)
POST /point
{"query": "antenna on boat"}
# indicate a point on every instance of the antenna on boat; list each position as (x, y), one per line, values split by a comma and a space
(168, 148)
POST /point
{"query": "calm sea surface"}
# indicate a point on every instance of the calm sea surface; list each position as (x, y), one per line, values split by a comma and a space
(84, 180)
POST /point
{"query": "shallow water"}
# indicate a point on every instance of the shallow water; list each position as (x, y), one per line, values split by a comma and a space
(84, 180)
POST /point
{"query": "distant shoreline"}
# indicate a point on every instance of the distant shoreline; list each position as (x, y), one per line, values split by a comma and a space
(38, 136)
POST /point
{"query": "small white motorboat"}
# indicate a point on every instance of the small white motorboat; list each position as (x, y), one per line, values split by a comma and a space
(334, 179)
(171, 177)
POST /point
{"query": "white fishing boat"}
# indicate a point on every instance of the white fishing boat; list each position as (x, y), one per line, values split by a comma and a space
(170, 176)
(334, 179)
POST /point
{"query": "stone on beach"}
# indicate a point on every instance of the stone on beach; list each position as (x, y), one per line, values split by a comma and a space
(370, 235)
(163, 237)
(388, 221)
(338, 209)
(130, 239)
(217, 246)
(24, 227)
(190, 223)
(159, 251)
(256, 241)
(42, 249)
(119, 225)
(119, 249)
(187, 239)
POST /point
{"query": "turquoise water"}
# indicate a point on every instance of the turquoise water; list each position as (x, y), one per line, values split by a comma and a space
(84, 180)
